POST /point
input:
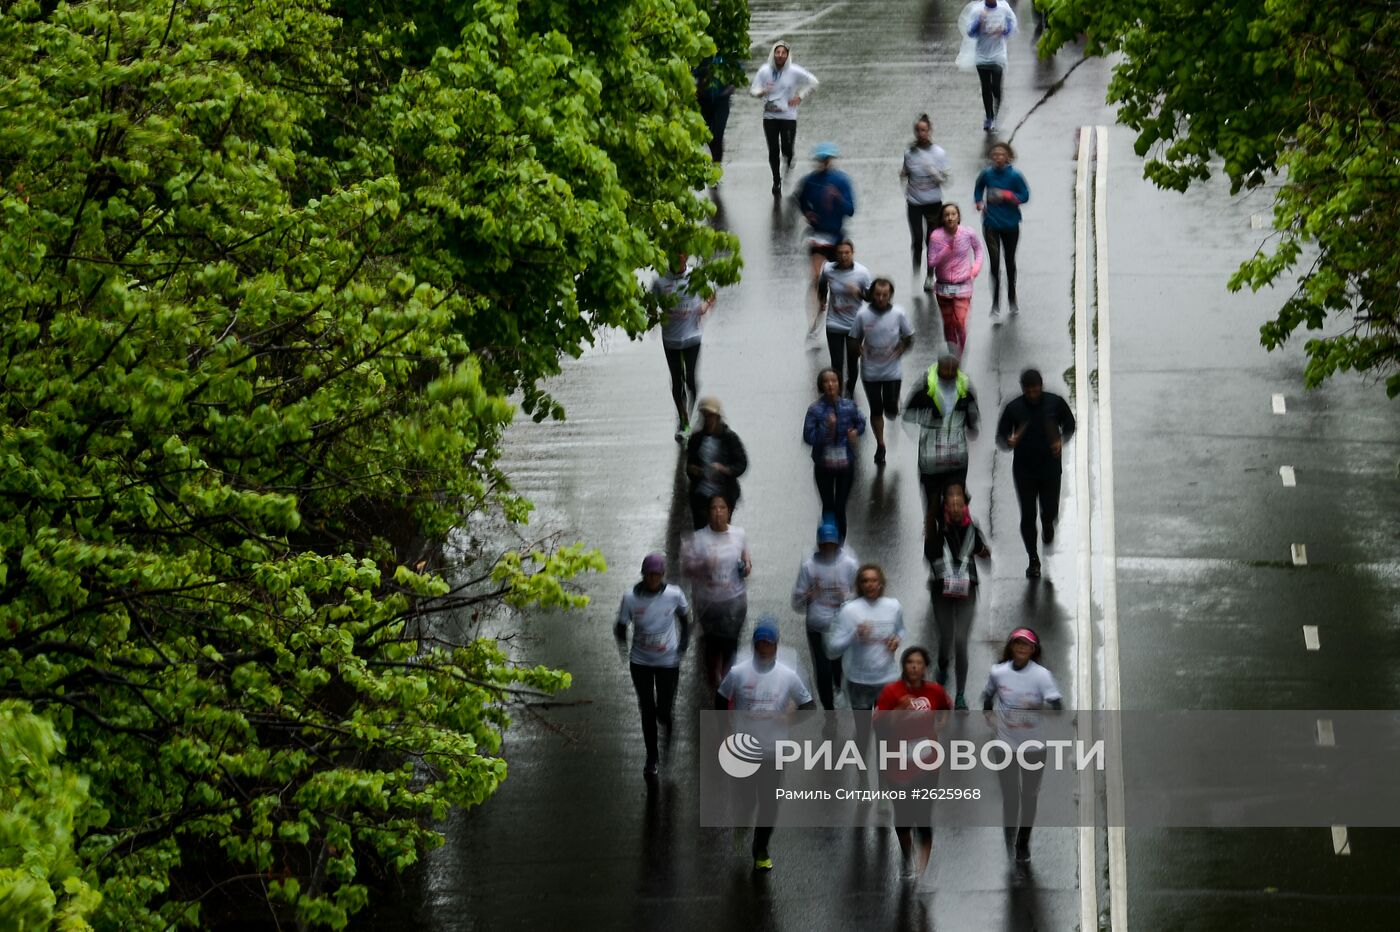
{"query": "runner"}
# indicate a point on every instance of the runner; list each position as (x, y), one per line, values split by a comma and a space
(659, 616)
(680, 337)
(870, 628)
(1036, 426)
(759, 694)
(990, 23)
(954, 259)
(1016, 686)
(944, 407)
(925, 171)
(716, 558)
(951, 548)
(908, 710)
(714, 460)
(826, 199)
(825, 581)
(883, 334)
(842, 286)
(1000, 191)
(832, 428)
(782, 83)
(714, 91)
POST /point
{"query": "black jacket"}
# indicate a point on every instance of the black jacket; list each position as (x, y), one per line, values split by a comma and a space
(955, 537)
(1044, 422)
(731, 454)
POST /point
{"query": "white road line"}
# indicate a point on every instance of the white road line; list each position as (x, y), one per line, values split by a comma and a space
(1341, 844)
(1326, 735)
(765, 42)
(1279, 406)
(1300, 554)
(1311, 639)
(1113, 696)
(1290, 479)
(1084, 628)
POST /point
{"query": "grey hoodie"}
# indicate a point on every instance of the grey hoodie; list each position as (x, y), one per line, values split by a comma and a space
(778, 87)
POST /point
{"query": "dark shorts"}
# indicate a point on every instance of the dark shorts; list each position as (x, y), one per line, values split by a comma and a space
(828, 250)
(883, 398)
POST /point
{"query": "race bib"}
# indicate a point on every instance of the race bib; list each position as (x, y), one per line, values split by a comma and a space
(956, 587)
(836, 457)
(948, 289)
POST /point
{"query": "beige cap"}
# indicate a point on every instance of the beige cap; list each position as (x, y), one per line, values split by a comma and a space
(710, 405)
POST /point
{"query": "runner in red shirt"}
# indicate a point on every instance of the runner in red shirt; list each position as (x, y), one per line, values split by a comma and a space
(911, 695)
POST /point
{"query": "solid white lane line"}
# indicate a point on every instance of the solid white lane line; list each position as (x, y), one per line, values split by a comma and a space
(1280, 407)
(1341, 844)
(1311, 639)
(1084, 628)
(1290, 479)
(1113, 694)
(1326, 735)
(1299, 552)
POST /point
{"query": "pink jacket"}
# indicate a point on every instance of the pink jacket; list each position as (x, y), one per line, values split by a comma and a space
(955, 259)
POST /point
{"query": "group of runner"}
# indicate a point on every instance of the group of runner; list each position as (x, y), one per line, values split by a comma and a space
(855, 632)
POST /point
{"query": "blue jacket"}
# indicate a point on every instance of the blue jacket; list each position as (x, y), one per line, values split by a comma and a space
(816, 432)
(1001, 215)
(828, 195)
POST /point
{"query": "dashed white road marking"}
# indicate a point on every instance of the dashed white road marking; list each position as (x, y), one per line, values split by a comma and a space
(1280, 407)
(1341, 844)
(1300, 554)
(1326, 735)
(1311, 639)
(1290, 479)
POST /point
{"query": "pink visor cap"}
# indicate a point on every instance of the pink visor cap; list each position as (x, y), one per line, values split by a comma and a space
(1025, 634)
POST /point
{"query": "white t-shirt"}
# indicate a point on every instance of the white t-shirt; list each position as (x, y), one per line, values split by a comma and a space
(823, 586)
(841, 303)
(681, 325)
(925, 173)
(1018, 696)
(881, 332)
(868, 660)
(656, 636)
(712, 561)
(761, 699)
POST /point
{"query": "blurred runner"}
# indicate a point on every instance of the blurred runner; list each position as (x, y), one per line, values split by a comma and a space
(925, 172)
(1036, 427)
(883, 334)
(908, 710)
(716, 558)
(1017, 689)
(842, 287)
(659, 617)
(951, 548)
(714, 459)
(826, 199)
(680, 337)
(782, 83)
(760, 694)
(944, 407)
(991, 23)
(832, 428)
(1000, 191)
(954, 259)
(867, 632)
(825, 581)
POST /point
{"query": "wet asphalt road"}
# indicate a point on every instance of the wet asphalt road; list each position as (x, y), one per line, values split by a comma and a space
(1211, 607)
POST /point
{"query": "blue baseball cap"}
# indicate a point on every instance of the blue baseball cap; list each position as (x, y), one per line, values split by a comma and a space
(827, 532)
(825, 150)
(766, 630)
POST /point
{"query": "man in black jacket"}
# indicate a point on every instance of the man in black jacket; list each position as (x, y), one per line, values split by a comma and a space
(1036, 426)
(714, 461)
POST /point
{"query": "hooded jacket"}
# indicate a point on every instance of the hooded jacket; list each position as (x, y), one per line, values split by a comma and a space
(924, 408)
(792, 80)
(731, 454)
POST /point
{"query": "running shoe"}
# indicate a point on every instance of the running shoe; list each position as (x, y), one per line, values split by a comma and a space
(763, 864)
(777, 189)
(1033, 571)
(682, 431)
(1015, 309)
(880, 455)
(990, 125)
(650, 770)
(996, 311)
(1023, 851)
(1048, 535)
(941, 677)
(960, 703)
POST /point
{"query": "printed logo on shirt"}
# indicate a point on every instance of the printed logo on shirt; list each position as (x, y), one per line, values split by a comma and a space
(740, 755)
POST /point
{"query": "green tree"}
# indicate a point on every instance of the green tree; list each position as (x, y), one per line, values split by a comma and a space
(1303, 92)
(268, 274)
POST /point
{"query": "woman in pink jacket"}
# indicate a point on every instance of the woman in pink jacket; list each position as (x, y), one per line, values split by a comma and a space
(954, 259)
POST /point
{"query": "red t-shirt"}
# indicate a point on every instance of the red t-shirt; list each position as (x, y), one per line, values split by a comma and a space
(912, 728)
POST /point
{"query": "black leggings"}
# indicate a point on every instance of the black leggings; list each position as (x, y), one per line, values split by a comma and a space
(990, 76)
(953, 618)
(883, 398)
(923, 220)
(845, 359)
(834, 487)
(656, 690)
(683, 364)
(1033, 490)
(779, 132)
(825, 672)
(1002, 243)
(715, 112)
(1020, 792)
